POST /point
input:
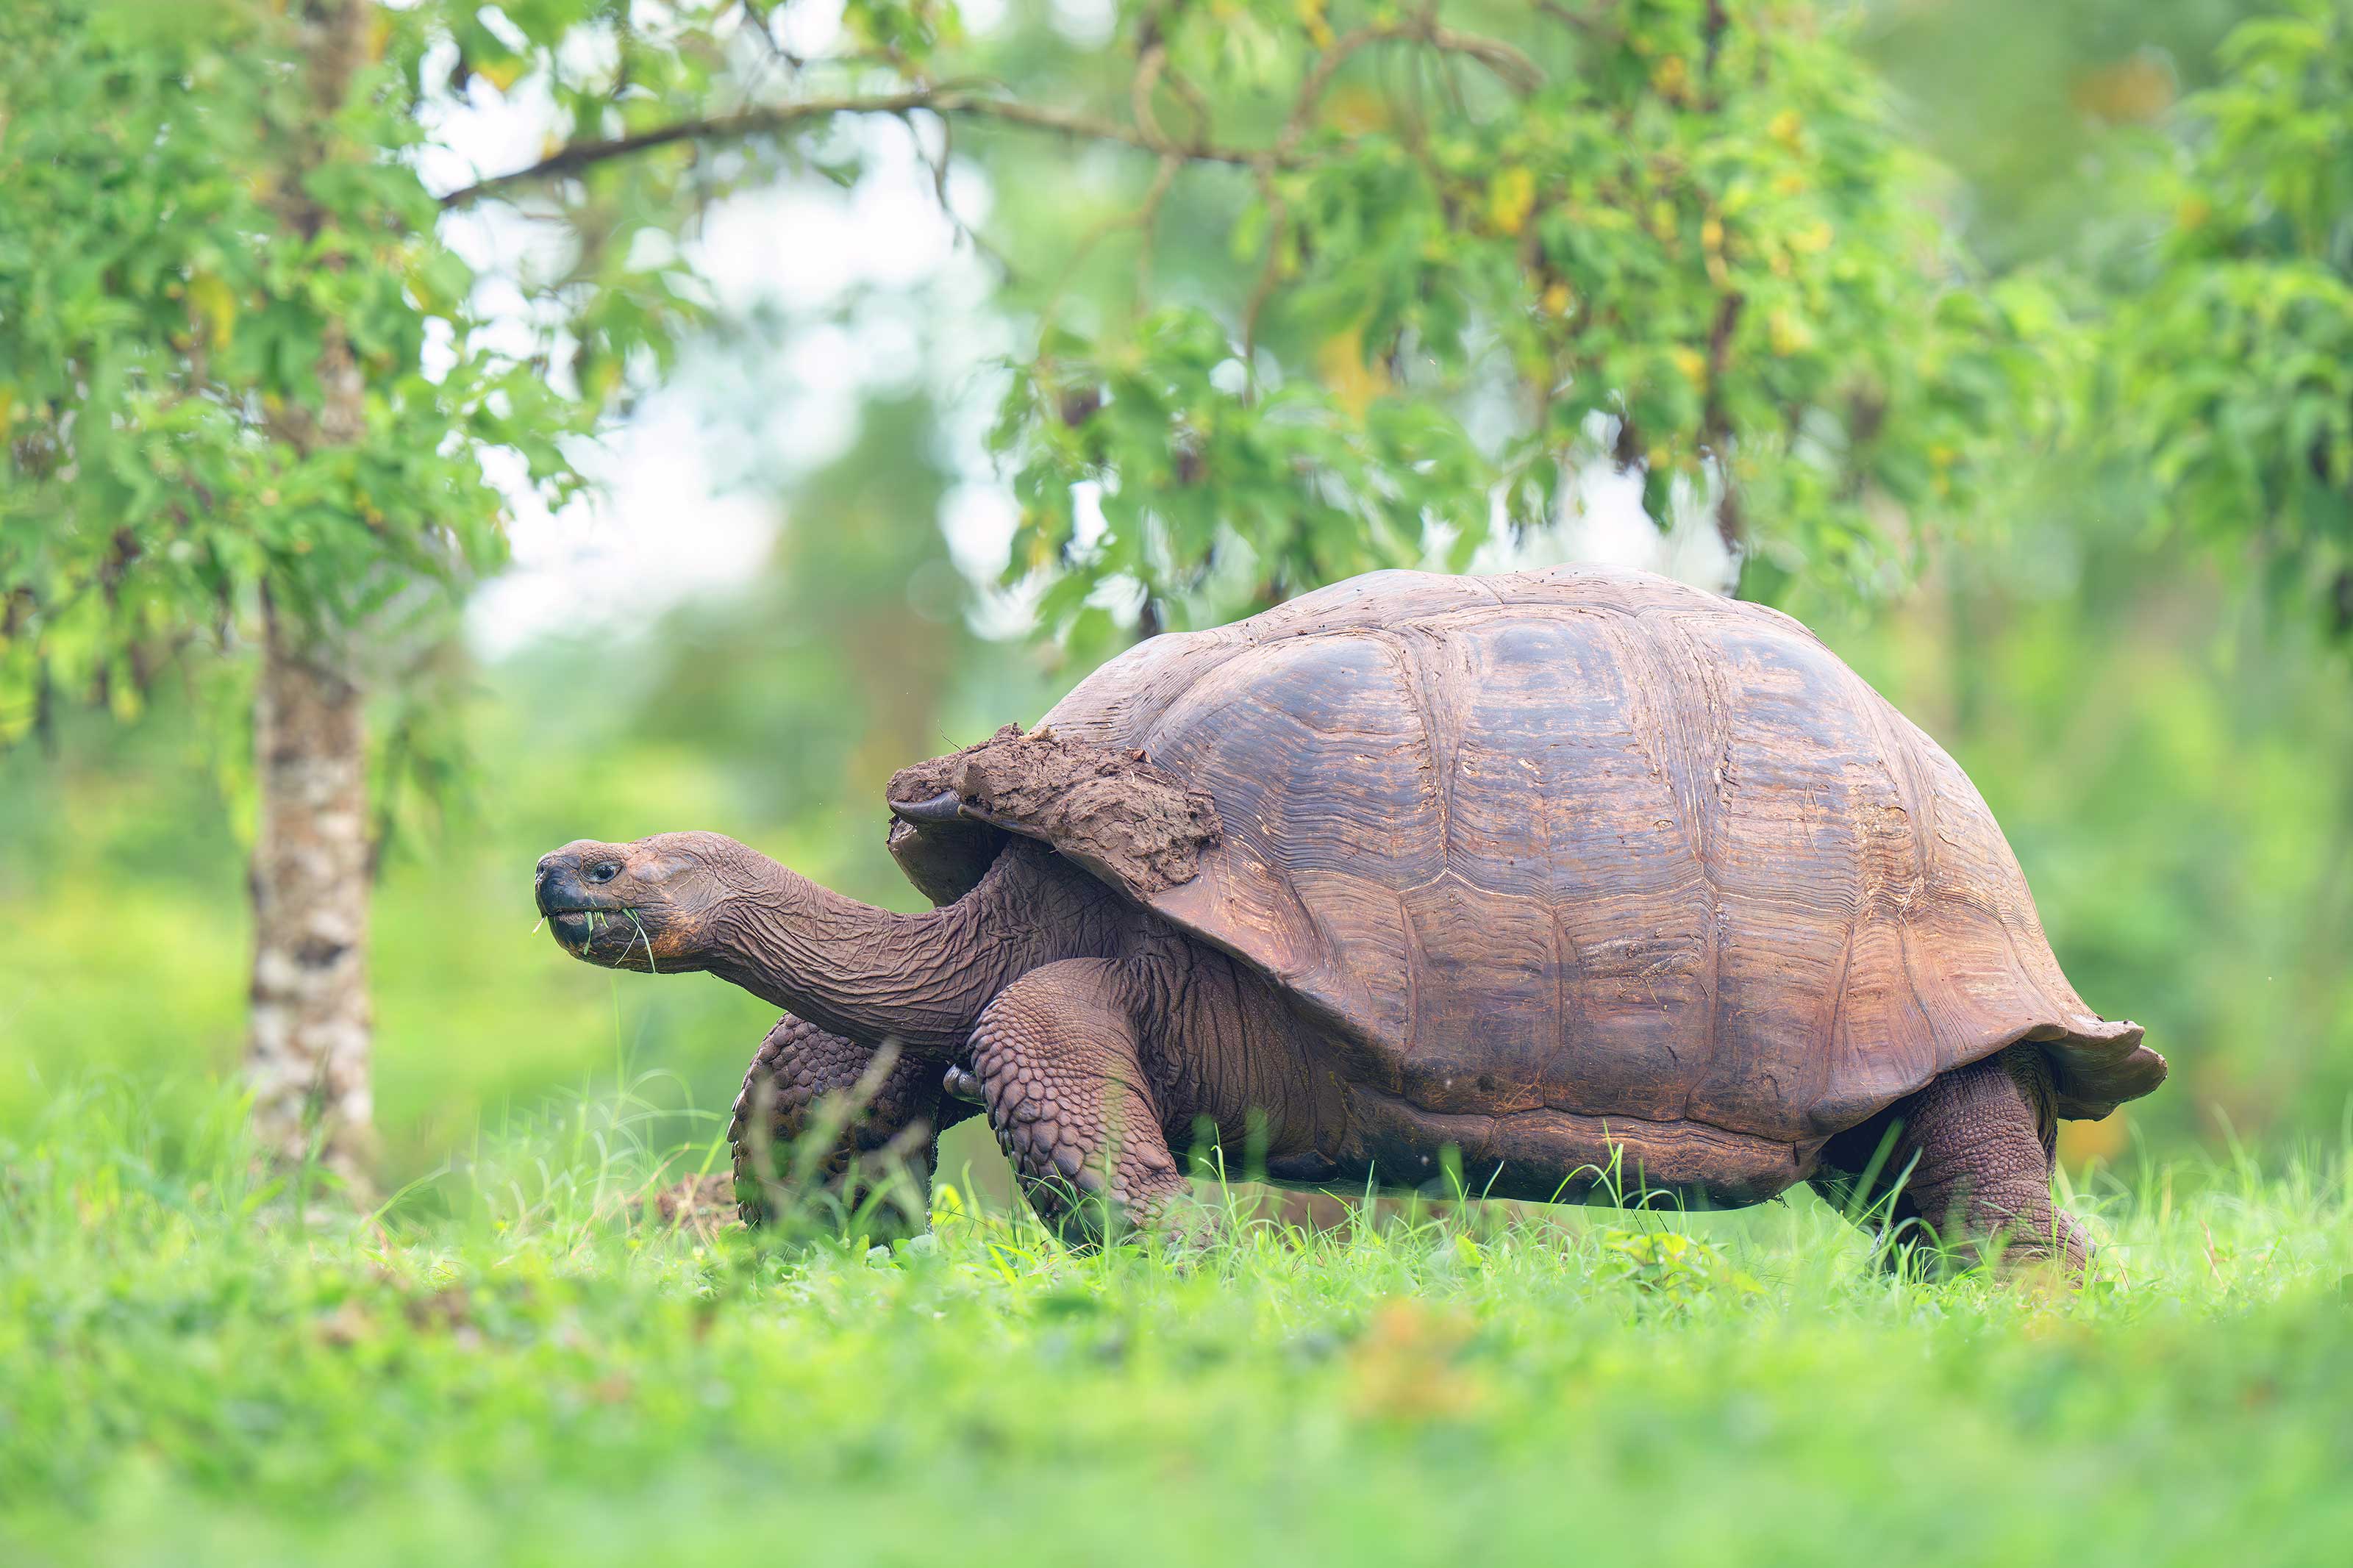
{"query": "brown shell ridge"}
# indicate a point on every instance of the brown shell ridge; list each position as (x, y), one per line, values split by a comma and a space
(1896, 905)
(1704, 800)
(1413, 679)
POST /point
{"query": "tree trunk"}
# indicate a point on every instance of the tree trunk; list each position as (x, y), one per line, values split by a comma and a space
(307, 1056)
(307, 1052)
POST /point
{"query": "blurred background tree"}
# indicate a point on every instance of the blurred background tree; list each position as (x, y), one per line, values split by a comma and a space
(2230, 356)
(1244, 297)
(246, 406)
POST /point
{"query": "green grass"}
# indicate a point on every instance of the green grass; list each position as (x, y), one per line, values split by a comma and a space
(516, 1364)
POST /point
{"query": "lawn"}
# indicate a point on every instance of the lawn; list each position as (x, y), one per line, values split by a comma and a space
(520, 1362)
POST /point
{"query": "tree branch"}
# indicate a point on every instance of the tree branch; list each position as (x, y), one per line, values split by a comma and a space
(943, 101)
(1514, 69)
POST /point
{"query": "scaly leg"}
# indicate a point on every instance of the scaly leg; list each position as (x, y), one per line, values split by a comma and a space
(798, 1069)
(1978, 1142)
(1054, 1058)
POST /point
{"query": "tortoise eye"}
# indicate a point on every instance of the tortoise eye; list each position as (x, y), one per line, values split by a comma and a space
(604, 870)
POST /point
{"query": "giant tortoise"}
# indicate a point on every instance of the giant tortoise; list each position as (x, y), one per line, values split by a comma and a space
(1552, 884)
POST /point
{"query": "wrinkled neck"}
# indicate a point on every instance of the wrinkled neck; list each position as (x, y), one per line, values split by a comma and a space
(919, 979)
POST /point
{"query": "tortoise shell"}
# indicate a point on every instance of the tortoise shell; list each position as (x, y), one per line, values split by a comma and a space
(1583, 839)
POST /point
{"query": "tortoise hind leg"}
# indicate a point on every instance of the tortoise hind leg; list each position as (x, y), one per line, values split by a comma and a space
(1977, 1144)
(1055, 1059)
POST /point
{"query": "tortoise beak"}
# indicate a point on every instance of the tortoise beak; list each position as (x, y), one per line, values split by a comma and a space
(574, 878)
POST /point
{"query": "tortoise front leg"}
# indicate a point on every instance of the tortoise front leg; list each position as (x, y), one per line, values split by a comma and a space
(802, 1078)
(1054, 1058)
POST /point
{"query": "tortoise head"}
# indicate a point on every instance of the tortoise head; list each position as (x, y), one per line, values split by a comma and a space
(654, 905)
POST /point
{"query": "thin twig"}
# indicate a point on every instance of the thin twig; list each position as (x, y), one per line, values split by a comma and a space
(1153, 72)
(1146, 216)
(1192, 98)
(1139, 96)
(1270, 271)
(939, 167)
(1140, 217)
(1712, 31)
(1583, 22)
(1513, 67)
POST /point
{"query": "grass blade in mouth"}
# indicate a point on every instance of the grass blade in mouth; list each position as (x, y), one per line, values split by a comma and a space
(651, 966)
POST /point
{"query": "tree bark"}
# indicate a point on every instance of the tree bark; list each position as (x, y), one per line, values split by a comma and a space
(307, 1055)
(308, 1046)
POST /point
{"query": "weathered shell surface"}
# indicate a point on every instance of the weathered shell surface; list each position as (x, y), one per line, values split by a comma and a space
(1594, 840)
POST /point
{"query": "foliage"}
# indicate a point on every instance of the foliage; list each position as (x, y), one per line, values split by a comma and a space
(194, 246)
(2036, 108)
(1682, 239)
(1670, 1265)
(523, 1364)
(1392, 277)
(2232, 352)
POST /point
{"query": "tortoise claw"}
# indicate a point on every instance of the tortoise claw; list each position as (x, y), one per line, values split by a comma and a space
(962, 1084)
